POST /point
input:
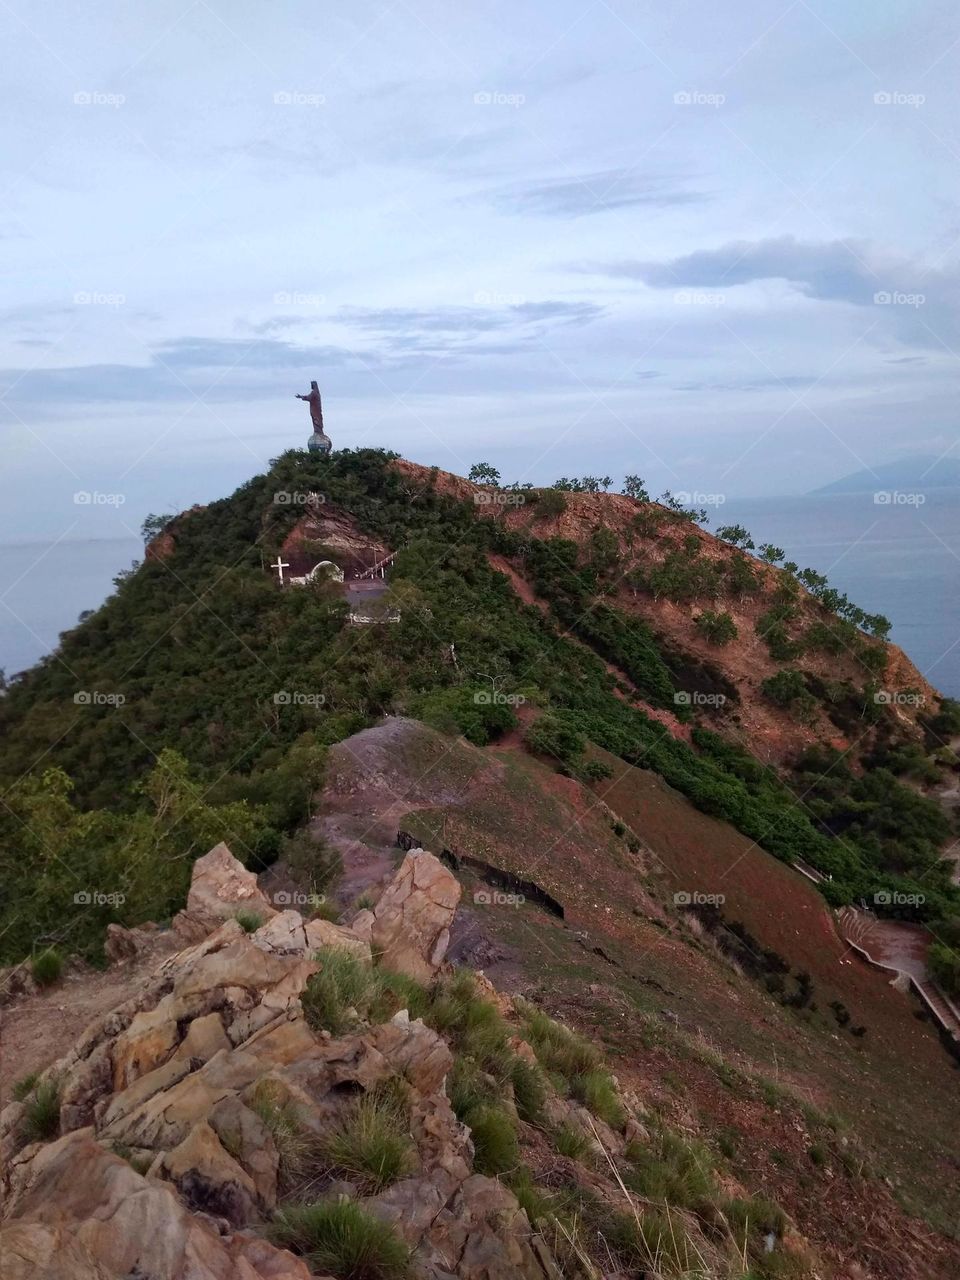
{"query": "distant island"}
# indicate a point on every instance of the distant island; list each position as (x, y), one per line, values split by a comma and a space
(904, 474)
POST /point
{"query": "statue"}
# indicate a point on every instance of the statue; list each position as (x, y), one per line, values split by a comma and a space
(319, 442)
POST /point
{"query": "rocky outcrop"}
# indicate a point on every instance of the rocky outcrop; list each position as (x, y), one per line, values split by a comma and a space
(169, 1160)
(410, 925)
(221, 886)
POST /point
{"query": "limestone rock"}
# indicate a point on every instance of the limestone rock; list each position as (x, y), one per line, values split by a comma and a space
(83, 1204)
(221, 886)
(411, 925)
(288, 934)
(208, 1178)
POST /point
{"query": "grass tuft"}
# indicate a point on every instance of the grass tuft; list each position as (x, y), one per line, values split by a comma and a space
(281, 1117)
(41, 1116)
(570, 1142)
(343, 983)
(24, 1086)
(249, 921)
(495, 1145)
(597, 1091)
(341, 1238)
(372, 1148)
(47, 967)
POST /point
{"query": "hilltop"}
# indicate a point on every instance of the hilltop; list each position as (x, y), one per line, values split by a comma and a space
(657, 760)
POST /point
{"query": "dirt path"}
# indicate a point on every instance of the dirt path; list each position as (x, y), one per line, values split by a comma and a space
(38, 1029)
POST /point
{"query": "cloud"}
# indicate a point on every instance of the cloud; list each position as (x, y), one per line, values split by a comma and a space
(477, 319)
(595, 192)
(919, 304)
(831, 270)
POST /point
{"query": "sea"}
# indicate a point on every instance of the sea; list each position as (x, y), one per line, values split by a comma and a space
(899, 557)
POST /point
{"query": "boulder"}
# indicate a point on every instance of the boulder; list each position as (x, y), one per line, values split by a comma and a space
(82, 1204)
(411, 921)
(221, 886)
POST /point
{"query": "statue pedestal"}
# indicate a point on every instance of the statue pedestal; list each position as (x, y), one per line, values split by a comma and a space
(319, 442)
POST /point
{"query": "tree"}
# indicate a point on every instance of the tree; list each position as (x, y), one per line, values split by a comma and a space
(718, 628)
(737, 536)
(634, 487)
(484, 473)
(770, 553)
(153, 525)
(697, 514)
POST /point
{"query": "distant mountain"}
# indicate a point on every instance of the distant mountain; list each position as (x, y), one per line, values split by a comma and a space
(905, 474)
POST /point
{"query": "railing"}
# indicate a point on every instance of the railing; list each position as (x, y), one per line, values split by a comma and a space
(378, 567)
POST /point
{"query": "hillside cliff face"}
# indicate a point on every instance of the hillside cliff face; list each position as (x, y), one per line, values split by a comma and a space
(647, 542)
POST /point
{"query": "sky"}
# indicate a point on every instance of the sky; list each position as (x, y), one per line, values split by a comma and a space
(716, 246)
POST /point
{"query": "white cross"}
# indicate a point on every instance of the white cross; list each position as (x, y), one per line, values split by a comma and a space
(280, 566)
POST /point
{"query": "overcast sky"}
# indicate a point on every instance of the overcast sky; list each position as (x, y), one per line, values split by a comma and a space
(714, 244)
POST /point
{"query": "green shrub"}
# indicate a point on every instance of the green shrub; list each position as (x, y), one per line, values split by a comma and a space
(342, 1238)
(47, 967)
(718, 628)
(41, 1115)
(550, 503)
(596, 771)
(249, 921)
(372, 1146)
(551, 736)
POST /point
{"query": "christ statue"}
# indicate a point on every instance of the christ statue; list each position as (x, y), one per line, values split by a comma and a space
(316, 411)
